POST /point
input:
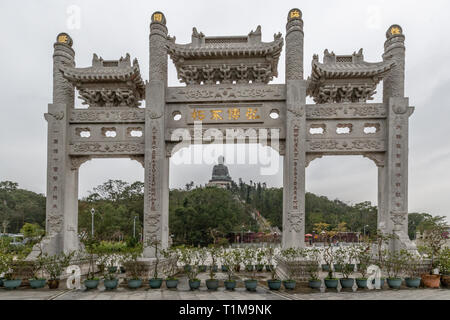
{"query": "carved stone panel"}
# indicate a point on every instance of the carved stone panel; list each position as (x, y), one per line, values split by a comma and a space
(220, 93)
(295, 221)
(106, 148)
(350, 146)
(105, 115)
(346, 111)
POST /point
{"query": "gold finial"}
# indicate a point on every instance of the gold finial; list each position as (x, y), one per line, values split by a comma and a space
(294, 14)
(394, 30)
(64, 38)
(158, 17)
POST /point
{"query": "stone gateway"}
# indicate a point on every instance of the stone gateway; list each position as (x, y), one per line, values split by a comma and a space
(227, 85)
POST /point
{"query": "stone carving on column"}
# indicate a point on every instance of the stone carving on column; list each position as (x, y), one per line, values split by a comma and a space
(296, 221)
(77, 161)
(140, 159)
(294, 45)
(394, 51)
(156, 190)
(378, 158)
(347, 145)
(399, 219)
(311, 157)
(56, 115)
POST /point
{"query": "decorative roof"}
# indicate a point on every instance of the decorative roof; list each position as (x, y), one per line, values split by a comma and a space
(226, 59)
(345, 78)
(350, 66)
(107, 81)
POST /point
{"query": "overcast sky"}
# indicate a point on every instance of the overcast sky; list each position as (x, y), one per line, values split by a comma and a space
(112, 28)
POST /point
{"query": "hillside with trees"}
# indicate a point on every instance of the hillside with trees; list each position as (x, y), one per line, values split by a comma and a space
(197, 216)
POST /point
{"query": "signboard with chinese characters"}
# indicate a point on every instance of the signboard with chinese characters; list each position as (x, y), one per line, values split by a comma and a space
(222, 114)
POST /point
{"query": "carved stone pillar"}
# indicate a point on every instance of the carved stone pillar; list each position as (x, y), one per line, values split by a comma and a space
(156, 204)
(393, 177)
(295, 157)
(62, 181)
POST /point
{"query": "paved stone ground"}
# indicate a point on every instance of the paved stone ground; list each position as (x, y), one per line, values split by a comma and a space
(183, 293)
(302, 292)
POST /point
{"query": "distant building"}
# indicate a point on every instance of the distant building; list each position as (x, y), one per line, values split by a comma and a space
(220, 175)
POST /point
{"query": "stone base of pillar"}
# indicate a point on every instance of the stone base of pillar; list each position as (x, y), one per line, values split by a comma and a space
(297, 269)
(147, 267)
(49, 244)
(403, 242)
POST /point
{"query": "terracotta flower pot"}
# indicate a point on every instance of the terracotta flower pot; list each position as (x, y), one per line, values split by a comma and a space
(431, 280)
(445, 280)
(53, 284)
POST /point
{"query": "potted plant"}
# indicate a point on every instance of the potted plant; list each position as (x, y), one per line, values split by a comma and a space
(13, 264)
(91, 281)
(133, 267)
(37, 282)
(343, 258)
(202, 255)
(444, 267)
(329, 256)
(364, 256)
(434, 238)
(238, 256)
(382, 240)
(394, 264)
(4, 267)
(212, 283)
(413, 262)
(270, 250)
(260, 259)
(184, 253)
(312, 268)
(228, 259)
(290, 256)
(155, 282)
(172, 255)
(223, 266)
(188, 257)
(249, 257)
(274, 283)
(111, 256)
(55, 265)
(110, 280)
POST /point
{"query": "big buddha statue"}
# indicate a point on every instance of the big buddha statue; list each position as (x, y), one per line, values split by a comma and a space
(220, 175)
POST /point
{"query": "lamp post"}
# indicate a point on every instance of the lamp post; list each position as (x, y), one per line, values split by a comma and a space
(134, 227)
(92, 223)
(364, 230)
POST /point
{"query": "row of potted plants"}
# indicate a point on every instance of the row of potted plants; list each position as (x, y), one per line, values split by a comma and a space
(13, 267)
(107, 261)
